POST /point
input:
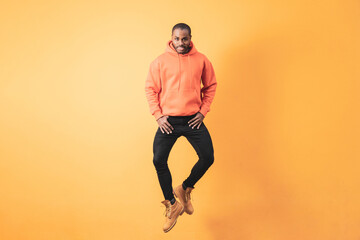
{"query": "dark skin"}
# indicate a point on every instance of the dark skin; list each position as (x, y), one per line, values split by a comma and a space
(181, 41)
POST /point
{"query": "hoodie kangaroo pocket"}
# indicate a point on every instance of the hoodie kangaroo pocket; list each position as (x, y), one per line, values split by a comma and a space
(183, 99)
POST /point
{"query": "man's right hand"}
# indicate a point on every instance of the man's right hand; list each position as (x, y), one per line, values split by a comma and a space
(164, 124)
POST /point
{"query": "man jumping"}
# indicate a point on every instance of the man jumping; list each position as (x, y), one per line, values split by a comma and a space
(179, 105)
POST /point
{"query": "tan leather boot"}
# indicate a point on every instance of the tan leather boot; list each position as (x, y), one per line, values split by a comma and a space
(172, 212)
(184, 197)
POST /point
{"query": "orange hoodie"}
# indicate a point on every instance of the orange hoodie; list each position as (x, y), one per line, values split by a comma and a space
(173, 84)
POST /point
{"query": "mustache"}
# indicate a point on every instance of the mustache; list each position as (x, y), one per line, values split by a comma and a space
(181, 46)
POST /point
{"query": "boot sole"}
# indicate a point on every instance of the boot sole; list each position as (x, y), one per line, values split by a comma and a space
(182, 211)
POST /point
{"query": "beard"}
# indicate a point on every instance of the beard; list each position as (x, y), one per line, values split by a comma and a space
(186, 48)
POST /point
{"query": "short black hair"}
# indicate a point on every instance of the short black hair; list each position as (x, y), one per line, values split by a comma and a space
(181, 26)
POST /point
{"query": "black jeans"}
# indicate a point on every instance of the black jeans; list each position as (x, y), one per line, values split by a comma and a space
(200, 140)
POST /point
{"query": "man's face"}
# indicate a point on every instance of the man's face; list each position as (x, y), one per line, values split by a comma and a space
(181, 40)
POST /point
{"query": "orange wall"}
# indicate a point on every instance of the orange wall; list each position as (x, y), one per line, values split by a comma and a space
(76, 133)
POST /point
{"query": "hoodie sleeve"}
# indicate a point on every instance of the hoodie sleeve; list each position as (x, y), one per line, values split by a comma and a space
(208, 91)
(152, 89)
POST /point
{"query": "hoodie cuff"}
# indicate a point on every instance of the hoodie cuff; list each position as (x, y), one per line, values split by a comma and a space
(203, 112)
(157, 115)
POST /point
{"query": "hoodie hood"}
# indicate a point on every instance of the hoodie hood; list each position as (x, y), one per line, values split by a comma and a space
(170, 48)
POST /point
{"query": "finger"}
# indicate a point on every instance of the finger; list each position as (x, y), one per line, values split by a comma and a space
(195, 124)
(191, 120)
(169, 125)
(161, 130)
(167, 130)
(199, 125)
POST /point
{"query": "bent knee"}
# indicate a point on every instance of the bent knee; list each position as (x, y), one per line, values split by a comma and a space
(211, 160)
(159, 161)
(208, 160)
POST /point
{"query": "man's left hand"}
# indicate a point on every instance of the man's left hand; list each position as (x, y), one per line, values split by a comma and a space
(196, 121)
